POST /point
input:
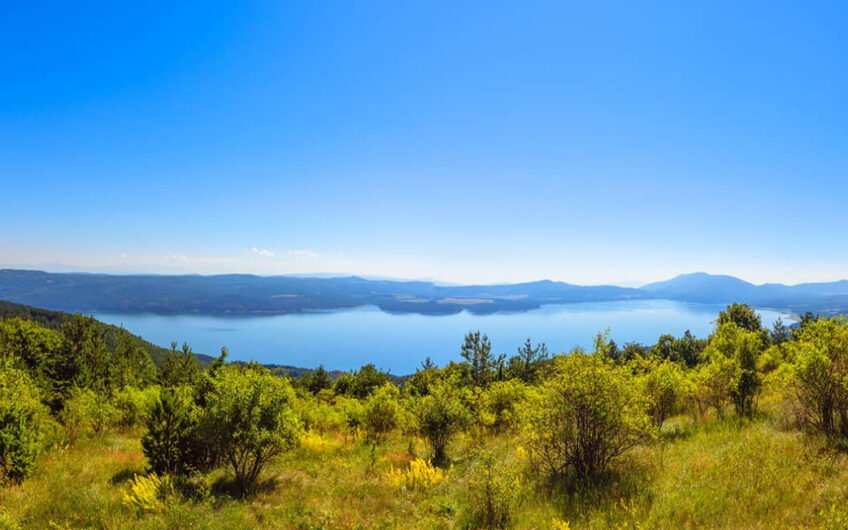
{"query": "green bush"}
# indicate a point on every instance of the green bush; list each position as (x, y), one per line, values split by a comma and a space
(821, 376)
(21, 416)
(85, 412)
(492, 494)
(439, 415)
(173, 443)
(249, 414)
(588, 413)
(134, 405)
(498, 405)
(664, 384)
(381, 413)
(733, 352)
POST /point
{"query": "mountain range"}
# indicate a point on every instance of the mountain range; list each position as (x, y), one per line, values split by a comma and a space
(243, 294)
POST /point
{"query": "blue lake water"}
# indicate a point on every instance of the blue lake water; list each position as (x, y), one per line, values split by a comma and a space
(399, 342)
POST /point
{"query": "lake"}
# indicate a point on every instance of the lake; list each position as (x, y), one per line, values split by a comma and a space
(346, 339)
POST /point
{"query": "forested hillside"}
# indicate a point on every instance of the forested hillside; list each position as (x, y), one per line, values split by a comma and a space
(745, 428)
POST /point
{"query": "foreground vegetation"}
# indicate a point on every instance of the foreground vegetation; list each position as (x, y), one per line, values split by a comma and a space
(746, 428)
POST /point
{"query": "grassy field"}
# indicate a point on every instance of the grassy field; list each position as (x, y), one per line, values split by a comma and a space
(717, 474)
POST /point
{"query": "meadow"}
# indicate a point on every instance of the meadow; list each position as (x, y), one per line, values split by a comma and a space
(685, 434)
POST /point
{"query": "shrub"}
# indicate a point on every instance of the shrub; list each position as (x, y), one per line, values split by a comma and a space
(249, 414)
(498, 405)
(134, 405)
(149, 494)
(439, 416)
(21, 416)
(713, 384)
(380, 413)
(587, 414)
(821, 375)
(493, 493)
(320, 416)
(664, 384)
(421, 475)
(734, 352)
(85, 411)
(173, 443)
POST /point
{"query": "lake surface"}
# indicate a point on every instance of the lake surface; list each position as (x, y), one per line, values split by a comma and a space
(347, 339)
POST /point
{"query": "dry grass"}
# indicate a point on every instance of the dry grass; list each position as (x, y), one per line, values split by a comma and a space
(709, 475)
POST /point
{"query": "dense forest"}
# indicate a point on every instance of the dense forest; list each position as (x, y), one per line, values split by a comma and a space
(747, 427)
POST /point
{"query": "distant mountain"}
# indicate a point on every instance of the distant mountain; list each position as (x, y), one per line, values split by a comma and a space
(702, 287)
(826, 298)
(244, 294)
(247, 294)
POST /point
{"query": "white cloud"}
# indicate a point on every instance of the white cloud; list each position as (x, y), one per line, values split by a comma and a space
(265, 253)
(302, 254)
(182, 258)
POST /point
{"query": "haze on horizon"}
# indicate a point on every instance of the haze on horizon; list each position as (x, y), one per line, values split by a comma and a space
(472, 143)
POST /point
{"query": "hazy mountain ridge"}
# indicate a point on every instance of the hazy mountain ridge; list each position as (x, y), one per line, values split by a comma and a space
(244, 294)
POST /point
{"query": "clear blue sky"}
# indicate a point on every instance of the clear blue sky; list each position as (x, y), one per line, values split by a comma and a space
(472, 142)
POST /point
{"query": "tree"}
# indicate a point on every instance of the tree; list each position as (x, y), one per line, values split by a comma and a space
(587, 414)
(131, 364)
(742, 315)
(779, 332)
(179, 368)
(748, 382)
(317, 380)
(250, 417)
(497, 407)
(172, 443)
(439, 415)
(363, 382)
(380, 413)
(477, 352)
(821, 375)
(27, 343)
(685, 350)
(529, 361)
(21, 416)
(664, 384)
(732, 353)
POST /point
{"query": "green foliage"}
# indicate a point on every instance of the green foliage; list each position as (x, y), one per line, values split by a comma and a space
(686, 349)
(317, 380)
(529, 363)
(173, 443)
(664, 384)
(482, 364)
(179, 368)
(588, 413)
(493, 493)
(250, 417)
(362, 383)
(821, 374)
(381, 413)
(743, 315)
(499, 405)
(713, 384)
(733, 352)
(134, 405)
(27, 344)
(85, 411)
(439, 415)
(21, 419)
(131, 364)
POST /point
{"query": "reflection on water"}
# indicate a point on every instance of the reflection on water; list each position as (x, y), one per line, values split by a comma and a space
(399, 342)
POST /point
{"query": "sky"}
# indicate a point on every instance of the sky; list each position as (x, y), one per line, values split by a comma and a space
(469, 142)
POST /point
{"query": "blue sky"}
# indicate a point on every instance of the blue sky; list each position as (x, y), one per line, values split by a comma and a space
(591, 142)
